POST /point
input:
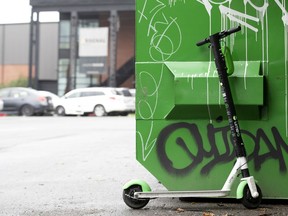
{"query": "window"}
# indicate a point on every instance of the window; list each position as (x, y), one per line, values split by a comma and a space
(4, 93)
(77, 79)
(74, 95)
(125, 92)
(88, 23)
(19, 94)
(90, 93)
(63, 67)
(64, 34)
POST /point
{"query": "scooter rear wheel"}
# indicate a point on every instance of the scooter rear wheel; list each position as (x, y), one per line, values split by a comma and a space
(250, 202)
(130, 200)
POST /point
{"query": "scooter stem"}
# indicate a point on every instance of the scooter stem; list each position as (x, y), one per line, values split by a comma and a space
(238, 144)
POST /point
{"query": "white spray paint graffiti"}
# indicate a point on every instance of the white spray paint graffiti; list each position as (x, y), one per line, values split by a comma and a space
(207, 5)
(237, 17)
(142, 12)
(152, 93)
(173, 2)
(160, 38)
(162, 30)
(282, 6)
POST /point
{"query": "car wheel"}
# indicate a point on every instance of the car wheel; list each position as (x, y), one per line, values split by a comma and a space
(99, 111)
(26, 110)
(60, 111)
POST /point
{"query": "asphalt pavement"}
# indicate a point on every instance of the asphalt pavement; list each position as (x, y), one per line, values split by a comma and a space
(76, 166)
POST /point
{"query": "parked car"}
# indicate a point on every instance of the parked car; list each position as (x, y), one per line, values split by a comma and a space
(1, 108)
(23, 101)
(128, 98)
(132, 92)
(51, 96)
(100, 101)
(1, 104)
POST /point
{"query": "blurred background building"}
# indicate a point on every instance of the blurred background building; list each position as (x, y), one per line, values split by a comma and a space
(91, 45)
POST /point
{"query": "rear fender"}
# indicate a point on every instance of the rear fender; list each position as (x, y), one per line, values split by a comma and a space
(145, 187)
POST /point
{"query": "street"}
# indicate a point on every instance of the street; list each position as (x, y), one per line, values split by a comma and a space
(76, 166)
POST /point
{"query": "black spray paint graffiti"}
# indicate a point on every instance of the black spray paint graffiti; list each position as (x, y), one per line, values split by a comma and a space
(199, 153)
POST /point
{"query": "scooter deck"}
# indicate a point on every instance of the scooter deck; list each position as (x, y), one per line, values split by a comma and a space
(171, 194)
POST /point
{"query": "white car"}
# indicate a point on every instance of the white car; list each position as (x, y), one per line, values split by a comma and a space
(1, 104)
(129, 99)
(99, 101)
(54, 98)
(132, 92)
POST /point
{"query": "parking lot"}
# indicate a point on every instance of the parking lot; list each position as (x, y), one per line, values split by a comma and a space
(76, 166)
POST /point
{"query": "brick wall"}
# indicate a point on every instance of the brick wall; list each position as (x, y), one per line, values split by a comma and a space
(126, 34)
(125, 42)
(10, 73)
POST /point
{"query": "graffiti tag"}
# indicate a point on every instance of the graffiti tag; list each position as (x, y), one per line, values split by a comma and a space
(197, 151)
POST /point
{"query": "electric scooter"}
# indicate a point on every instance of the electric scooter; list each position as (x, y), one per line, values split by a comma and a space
(137, 193)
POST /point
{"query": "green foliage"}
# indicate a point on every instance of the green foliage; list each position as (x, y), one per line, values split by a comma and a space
(20, 82)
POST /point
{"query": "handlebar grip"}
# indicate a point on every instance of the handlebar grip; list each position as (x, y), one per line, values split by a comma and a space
(200, 43)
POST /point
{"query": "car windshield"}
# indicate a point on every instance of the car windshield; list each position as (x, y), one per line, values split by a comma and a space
(92, 93)
(4, 93)
(73, 95)
(125, 92)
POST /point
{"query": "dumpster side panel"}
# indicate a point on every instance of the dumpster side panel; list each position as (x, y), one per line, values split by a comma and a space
(182, 132)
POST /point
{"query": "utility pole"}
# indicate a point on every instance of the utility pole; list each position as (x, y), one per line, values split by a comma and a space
(71, 71)
(114, 28)
(34, 50)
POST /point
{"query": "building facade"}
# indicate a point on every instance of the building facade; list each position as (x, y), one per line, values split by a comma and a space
(92, 45)
(13, 52)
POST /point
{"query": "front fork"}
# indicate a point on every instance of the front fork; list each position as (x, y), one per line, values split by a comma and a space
(241, 163)
(232, 119)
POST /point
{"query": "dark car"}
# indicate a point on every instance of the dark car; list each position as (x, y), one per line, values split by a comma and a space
(24, 101)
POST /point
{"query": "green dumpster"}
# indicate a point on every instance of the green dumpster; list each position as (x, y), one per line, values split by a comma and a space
(182, 132)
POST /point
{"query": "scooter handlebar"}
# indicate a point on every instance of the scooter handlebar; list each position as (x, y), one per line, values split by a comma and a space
(222, 34)
(229, 32)
(200, 43)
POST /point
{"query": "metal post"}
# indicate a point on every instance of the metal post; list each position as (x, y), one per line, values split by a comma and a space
(73, 52)
(34, 36)
(114, 27)
(37, 47)
(3, 56)
(31, 41)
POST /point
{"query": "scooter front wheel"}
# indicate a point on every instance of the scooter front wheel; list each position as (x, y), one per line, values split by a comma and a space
(130, 200)
(250, 202)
